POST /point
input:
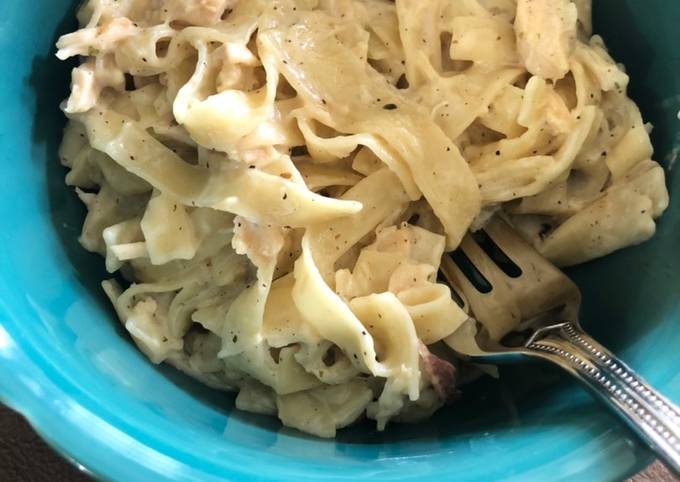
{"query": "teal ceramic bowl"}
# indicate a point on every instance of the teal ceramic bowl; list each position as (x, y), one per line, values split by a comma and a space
(69, 368)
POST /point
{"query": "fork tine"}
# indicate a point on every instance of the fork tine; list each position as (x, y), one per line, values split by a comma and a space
(482, 262)
(495, 309)
(456, 280)
(536, 270)
(511, 243)
(514, 298)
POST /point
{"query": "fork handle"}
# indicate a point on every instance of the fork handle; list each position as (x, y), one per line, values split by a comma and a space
(651, 416)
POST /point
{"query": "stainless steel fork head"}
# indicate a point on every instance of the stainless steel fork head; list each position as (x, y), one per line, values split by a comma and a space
(509, 288)
(527, 308)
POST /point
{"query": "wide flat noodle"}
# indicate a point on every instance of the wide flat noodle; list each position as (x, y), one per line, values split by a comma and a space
(274, 184)
(434, 161)
(234, 188)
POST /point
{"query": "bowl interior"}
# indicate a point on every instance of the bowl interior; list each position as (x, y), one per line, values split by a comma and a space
(68, 365)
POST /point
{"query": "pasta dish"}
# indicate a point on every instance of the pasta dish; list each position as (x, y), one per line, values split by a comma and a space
(273, 183)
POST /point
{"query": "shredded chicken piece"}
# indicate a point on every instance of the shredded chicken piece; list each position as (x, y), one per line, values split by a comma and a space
(546, 35)
(84, 89)
(89, 79)
(259, 243)
(198, 12)
(237, 71)
(91, 41)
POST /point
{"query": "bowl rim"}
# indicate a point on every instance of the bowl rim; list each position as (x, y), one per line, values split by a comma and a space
(82, 443)
(85, 446)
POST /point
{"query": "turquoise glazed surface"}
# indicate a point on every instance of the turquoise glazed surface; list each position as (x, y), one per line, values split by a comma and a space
(69, 367)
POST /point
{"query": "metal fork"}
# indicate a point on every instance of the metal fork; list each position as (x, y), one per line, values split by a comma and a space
(526, 308)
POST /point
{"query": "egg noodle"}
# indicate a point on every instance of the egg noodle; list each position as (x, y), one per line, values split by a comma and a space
(275, 182)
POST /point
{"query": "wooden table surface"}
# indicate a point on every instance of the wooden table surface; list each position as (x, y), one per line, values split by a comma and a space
(24, 457)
